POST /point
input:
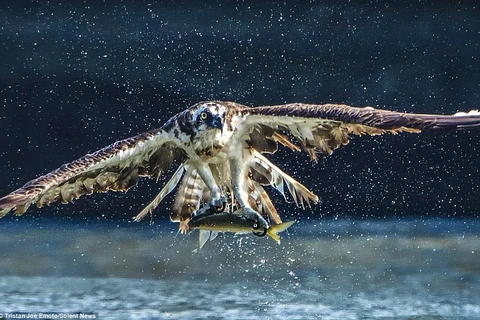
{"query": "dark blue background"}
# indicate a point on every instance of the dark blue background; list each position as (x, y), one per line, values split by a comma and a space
(76, 77)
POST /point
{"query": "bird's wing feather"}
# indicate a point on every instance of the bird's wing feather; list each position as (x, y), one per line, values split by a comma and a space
(265, 172)
(324, 128)
(116, 167)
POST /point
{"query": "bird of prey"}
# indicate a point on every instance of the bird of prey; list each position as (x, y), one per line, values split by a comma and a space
(220, 151)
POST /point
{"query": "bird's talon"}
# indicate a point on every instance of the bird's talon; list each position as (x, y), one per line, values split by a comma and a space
(218, 205)
(260, 234)
(260, 222)
(220, 209)
(215, 206)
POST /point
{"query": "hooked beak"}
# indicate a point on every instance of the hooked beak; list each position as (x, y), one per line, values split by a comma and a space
(217, 122)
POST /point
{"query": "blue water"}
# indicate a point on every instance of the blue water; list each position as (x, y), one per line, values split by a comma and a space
(334, 269)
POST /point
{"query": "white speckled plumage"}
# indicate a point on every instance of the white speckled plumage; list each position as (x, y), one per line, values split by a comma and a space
(219, 149)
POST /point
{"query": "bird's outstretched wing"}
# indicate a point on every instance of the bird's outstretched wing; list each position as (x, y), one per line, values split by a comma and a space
(320, 129)
(116, 167)
(256, 131)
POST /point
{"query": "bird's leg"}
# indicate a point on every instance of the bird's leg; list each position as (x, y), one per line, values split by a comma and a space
(218, 202)
(238, 186)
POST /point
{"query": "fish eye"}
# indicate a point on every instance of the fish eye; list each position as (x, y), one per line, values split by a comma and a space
(203, 115)
(255, 226)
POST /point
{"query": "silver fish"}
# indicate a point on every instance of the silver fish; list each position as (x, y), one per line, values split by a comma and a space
(238, 222)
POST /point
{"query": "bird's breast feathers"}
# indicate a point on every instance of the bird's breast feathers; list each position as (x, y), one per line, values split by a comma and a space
(214, 145)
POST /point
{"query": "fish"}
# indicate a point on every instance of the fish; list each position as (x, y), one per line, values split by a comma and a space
(211, 224)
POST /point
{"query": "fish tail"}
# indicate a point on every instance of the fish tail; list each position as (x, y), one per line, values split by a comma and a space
(274, 230)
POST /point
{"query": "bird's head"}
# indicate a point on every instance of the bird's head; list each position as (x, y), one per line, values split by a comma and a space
(202, 124)
(208, 115)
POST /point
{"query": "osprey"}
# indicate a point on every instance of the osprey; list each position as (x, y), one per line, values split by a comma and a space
(219, 149)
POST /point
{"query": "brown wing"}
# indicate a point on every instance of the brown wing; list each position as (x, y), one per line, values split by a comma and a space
(116, 167)
(324, 128)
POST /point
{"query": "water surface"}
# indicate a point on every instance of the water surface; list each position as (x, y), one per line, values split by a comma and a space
(335, 269)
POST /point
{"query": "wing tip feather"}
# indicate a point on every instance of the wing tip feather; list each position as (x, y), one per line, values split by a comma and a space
(16, 201)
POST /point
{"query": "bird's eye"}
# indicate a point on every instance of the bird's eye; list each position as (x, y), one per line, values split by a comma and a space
(203, 115)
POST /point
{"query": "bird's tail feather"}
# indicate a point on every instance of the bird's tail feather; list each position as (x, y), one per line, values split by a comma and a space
(261, 202)
(188, 199)
(169, 186)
